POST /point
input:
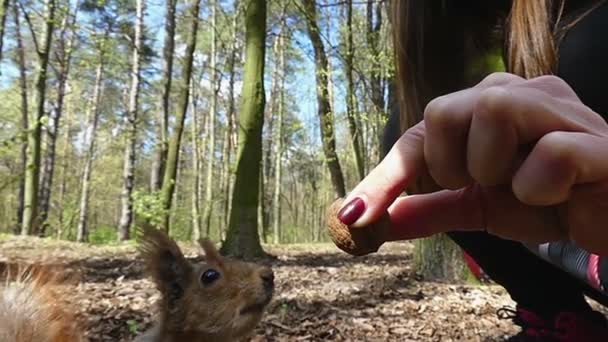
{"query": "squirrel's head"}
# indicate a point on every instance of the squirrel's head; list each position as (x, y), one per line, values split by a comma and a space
(219, 297)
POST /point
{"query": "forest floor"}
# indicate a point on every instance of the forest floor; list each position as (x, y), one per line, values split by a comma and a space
(322, 295)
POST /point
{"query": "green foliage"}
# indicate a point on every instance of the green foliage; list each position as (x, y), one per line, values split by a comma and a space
(102, 235)
(133, 327)
(149, 207)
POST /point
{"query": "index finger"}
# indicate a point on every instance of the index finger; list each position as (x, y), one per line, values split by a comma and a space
(376, 192)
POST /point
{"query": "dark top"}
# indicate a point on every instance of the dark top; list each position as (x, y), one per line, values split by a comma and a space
(582, 63)
(583, 60)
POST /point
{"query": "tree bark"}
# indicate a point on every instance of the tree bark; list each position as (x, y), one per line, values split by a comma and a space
(182, 108)
(276, 203)
(376, 81)
(160, 156)
(355, 132)
(20, 56)
(93, 117)
(196, 163)
(4, 9)
(64, 168)
(231, 132)
(211, 123)
(242, 238)
(53, 127)
(126, 218)
(30, 208)
(323, 103)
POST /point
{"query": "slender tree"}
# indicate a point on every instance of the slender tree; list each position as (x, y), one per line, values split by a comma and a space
(160, 156)
(231, 130)
(353, 126)
(5, 9)
(126, 217)
(323, 102)
(182, 108)
(92, 118)
(65, 43)
(196, 166)
(242, 238)
(278, 162)
(43, 48)
(20, 59)
(210, 157)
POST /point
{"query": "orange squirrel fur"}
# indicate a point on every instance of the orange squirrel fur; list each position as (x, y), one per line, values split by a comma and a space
(220, 299)
(33, 307)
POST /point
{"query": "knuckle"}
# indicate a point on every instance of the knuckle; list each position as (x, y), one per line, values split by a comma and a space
(550, 80)
(556, 151)
(498, 78)
(437, 114)
(492, 104)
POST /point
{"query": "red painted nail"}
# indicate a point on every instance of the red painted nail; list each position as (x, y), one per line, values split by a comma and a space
(352, 211)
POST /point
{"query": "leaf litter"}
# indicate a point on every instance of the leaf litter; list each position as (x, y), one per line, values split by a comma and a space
(322, 294)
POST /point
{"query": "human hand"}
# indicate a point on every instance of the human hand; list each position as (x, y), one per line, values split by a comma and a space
(522, 159)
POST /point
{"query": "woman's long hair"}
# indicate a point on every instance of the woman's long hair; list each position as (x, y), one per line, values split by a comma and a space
(442, 46)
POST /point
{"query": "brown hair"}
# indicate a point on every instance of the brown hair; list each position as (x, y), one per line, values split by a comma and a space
(442, 46)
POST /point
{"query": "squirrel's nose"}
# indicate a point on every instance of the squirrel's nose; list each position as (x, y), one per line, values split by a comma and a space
(268, 280)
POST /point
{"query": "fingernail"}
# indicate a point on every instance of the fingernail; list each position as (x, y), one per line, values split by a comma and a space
(352, 211)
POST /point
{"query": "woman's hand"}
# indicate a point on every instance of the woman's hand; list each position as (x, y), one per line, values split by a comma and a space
(522, 159)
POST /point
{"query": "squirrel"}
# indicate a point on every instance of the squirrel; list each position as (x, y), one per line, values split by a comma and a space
(34, 306)
(220, 299)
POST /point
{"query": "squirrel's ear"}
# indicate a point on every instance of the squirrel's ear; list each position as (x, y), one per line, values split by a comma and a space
(211, 253)
(165, 262)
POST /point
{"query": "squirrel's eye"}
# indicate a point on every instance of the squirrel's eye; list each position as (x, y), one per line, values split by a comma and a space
(209, 276)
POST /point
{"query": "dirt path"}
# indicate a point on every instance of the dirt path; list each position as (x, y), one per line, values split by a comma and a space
(322, 295)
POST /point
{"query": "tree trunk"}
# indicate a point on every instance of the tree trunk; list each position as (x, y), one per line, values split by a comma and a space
(24, 115)
(82, 232)
(242, 238)
(276, 203)
(323, 103)
(160, 156)
(4, 9)
(30, 207)
(373, 37)
(182, 108)
(438, 258)
(126, 218)
(53, 127)
(64, 168)
(355, 133)
(211, 132)
(196, 163)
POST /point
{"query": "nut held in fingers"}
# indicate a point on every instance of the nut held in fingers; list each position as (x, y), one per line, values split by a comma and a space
(356, 241)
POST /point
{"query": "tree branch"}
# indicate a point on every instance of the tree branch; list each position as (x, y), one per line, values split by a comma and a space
(31, 27)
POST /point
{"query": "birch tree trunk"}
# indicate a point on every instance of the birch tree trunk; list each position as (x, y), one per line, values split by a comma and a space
(64, 170)
(126, 217)
(82, 231)
(211, 132)
(43, 48)
(196, 163)
(276, 203)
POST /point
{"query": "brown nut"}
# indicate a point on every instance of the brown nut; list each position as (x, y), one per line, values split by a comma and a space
(356, 241)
